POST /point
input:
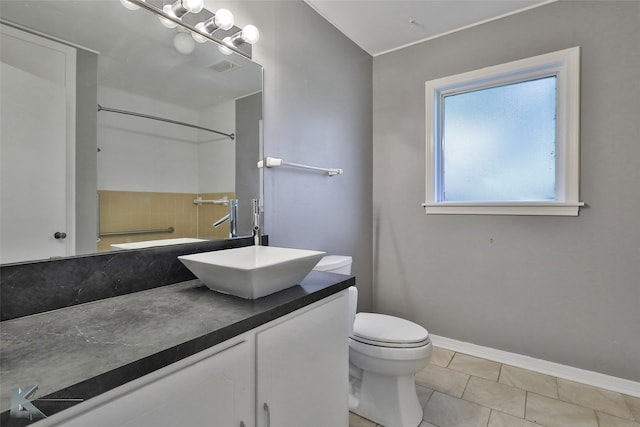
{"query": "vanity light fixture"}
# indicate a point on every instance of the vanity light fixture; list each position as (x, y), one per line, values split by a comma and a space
(171, 16)
(249, 35)
(222, 19)
(179, 8)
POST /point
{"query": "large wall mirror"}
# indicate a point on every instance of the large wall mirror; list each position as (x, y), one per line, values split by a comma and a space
(87, 166)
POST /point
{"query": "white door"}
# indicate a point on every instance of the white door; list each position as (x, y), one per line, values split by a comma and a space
(37, 137)
(302, 369)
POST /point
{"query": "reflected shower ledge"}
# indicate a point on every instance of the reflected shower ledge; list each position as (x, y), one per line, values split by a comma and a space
(154, 243)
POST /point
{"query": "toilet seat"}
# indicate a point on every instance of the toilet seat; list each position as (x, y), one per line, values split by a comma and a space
(389, 353)
(388, 331)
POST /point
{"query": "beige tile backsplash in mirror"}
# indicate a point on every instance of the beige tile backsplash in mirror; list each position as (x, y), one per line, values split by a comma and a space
(124, 211)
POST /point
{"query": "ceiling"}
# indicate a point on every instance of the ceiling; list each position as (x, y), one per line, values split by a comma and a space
(379, 26)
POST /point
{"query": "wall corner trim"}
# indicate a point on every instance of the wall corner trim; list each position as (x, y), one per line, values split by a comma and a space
(608, 382)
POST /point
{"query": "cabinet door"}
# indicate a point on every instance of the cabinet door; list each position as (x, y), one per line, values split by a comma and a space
(216, 391)
(302, 369)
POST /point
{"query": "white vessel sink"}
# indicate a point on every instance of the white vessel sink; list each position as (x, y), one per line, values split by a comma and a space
(253, 271)
(153, 243)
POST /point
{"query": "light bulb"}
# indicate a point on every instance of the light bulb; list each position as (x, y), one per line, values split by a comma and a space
(250, 34)
(169, 11)
(179, 8)
(200, 26)
(223, 49)
(129, 5)
(224, 19)
(193, 6)
(183, 43)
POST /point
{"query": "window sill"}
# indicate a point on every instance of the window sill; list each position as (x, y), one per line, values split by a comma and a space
(525, 208)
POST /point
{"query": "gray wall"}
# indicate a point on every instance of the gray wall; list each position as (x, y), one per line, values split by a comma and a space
(317, 111)
(555, 288)
(247, 141)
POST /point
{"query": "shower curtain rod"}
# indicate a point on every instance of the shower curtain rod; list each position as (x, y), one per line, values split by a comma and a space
(231, 136)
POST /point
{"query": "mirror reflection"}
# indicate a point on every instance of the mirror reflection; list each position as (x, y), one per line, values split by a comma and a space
(117, 130)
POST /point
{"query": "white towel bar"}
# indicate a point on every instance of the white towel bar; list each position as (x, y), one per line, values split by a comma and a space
(272, 162)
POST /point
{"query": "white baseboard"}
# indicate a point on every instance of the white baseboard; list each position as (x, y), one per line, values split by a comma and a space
(620, 385)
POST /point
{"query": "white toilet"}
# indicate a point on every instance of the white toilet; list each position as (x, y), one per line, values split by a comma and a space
(385, 352)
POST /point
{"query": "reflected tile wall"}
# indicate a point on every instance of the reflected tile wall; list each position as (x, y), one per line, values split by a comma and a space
(137, 210)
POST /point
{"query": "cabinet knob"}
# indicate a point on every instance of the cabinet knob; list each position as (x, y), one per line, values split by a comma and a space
(60, 235)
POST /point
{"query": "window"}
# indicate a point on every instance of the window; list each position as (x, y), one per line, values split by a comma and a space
(504, 140)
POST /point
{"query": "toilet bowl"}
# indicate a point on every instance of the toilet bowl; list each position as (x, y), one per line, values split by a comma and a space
(385, 352)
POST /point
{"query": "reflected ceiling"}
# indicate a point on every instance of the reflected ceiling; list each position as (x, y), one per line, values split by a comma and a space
(137, 38)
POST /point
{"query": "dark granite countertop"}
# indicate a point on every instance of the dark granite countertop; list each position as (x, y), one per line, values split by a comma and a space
(88, 349)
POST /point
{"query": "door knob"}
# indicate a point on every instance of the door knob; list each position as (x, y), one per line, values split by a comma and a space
(60, 235)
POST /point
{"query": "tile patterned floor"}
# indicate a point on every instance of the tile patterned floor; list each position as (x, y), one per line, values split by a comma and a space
(458, 390)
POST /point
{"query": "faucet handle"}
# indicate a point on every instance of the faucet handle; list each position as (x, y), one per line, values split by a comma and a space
(221, 220)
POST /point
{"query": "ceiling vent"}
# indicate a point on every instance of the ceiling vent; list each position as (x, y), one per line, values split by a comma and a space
(224, 66)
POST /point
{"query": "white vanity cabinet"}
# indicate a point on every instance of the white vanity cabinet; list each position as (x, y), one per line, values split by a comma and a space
(290, 372)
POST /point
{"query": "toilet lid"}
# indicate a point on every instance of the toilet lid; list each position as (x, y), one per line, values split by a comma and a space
(388, 331)
(332, 262)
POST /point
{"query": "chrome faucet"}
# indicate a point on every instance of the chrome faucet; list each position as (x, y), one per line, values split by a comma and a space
(232, 217)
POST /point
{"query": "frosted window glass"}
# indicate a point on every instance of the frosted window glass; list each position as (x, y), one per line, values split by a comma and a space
(499, 144)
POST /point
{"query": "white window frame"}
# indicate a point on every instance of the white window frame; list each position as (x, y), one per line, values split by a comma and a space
(565, 65)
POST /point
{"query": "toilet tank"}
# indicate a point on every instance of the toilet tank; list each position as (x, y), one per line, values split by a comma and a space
(335, 264)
